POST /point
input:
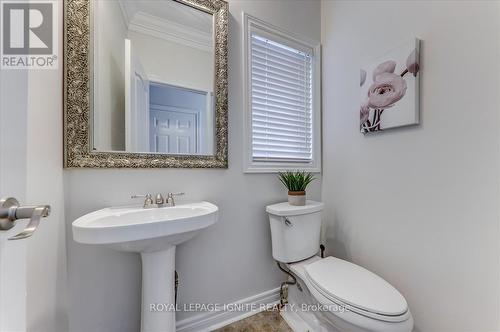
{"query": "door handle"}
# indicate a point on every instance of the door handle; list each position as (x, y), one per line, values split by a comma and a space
(10, 211)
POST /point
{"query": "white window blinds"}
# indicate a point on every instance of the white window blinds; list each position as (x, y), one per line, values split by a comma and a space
(281, 101)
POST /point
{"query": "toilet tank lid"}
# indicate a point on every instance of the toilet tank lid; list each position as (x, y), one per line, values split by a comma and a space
(285, 209)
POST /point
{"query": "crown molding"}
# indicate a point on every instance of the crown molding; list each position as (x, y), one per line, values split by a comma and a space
(171, 31)
(124, 13)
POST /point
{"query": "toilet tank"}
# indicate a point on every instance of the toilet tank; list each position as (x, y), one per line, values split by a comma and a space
(295, 230)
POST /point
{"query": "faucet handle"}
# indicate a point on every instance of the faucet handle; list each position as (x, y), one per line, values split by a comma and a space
(141, 196)
(175, 194)
(148, 199)
(170, 197)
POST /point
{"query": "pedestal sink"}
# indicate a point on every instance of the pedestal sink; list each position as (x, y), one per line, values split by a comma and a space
(153, 233)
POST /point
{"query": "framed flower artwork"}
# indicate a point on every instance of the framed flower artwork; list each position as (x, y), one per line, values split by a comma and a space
(390, 89)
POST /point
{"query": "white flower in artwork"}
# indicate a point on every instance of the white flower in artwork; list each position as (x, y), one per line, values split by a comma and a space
(384, 67)
(412, 64)
(388, 89)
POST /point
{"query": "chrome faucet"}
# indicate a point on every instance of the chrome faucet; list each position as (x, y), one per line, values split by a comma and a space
(170, 198)
(159, 201)
(148, 201)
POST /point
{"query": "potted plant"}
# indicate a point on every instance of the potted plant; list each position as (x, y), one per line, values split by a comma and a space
(296, 183)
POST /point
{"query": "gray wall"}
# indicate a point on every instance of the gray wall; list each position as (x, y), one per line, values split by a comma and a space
(47, 305)
(419, 206)
(227, 262)
(47, 300)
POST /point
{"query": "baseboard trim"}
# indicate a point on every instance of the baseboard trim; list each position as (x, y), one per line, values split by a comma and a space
(210, 321)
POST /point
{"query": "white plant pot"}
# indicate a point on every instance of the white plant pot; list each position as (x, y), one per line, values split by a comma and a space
(297, 198)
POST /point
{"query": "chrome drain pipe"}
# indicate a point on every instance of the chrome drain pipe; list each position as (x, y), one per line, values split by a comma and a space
(284, 285)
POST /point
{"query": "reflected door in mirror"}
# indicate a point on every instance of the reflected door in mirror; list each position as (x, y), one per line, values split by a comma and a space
(181, 120)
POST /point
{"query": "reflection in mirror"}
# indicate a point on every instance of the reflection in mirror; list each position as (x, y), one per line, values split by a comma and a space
(153, 78)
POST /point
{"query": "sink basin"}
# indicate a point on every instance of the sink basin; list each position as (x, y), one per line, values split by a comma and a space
(153, 233)
(137, 229)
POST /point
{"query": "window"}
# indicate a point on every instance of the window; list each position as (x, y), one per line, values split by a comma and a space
(281, 100)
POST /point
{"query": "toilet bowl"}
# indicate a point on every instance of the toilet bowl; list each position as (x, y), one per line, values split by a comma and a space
(331, 294)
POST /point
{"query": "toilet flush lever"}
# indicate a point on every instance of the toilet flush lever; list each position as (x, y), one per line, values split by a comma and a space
(10, 211)
(288, 222)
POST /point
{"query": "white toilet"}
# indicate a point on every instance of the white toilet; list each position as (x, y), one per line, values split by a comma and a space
(331, 294)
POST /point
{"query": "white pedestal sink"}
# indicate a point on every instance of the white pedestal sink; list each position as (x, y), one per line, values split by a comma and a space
(153, 233)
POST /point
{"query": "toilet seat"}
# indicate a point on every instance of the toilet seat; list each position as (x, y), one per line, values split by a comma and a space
(356, 289)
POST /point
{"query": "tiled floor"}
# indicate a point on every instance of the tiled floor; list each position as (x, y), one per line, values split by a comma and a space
(266, 321)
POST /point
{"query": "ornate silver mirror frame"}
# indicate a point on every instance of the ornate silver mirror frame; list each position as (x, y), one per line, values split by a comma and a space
(77, 96)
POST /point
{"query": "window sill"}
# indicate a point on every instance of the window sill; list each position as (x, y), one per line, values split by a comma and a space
(276, 168)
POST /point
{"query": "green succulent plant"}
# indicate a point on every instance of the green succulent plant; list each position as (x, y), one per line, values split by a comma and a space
(295, 181)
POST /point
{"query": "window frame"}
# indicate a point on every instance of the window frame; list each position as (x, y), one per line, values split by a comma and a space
(251, 24)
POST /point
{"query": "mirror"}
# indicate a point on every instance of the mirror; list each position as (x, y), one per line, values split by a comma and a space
(153, 78)
(157, 83)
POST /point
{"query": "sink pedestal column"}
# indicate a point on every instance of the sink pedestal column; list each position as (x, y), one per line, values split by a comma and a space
(158, 291)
